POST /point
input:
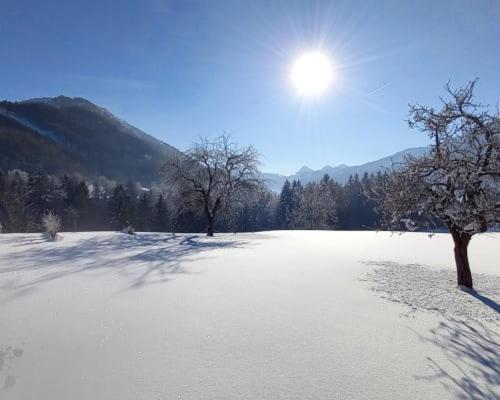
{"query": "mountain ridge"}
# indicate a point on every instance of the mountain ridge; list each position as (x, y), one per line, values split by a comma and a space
(73, 135)
(341, 172)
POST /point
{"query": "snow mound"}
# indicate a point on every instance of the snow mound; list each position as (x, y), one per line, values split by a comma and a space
(423, 288)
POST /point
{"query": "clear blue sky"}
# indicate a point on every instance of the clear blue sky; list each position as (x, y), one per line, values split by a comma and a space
(181, 69)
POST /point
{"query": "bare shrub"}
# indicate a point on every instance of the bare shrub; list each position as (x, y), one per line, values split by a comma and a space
(128, 229)
(51, 224)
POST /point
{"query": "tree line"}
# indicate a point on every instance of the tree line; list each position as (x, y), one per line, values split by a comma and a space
(85, 206)
(103, 204)
(328, 204)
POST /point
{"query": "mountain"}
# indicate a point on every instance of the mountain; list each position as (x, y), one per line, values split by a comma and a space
(61, 134)
(66, 135)
(341, 172)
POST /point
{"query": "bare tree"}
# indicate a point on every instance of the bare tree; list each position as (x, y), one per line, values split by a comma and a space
(317, 206)
(213, 174)
(457, 182)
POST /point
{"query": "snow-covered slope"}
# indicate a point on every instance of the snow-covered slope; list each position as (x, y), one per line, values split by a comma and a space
(26, 122)
(276, 315)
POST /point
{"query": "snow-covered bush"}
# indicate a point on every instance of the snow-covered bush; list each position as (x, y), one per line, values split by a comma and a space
(128, 229)
(51, 224)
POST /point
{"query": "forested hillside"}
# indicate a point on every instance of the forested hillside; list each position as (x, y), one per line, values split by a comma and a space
(67, 135)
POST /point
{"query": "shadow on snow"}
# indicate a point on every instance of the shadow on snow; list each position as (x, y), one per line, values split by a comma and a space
(473, 349)
(486, 300)
(143, 259)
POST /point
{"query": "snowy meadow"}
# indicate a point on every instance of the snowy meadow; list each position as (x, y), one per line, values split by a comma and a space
(272, 315)
(250, 200)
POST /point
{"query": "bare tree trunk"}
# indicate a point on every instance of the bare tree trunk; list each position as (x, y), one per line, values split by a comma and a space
(464, 275)
(210, 226)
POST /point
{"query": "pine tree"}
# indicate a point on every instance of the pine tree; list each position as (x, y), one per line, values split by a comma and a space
(120, 207)
(161, 215)
(40, 198)
(297, 193)
(144, 212)
(284, 207)
(328, 200)
(76, 201)
(15, 201)
(132, 188)
(98, 215)
(3, 208)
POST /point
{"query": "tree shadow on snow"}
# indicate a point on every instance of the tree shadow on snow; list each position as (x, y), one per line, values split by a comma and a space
(486, 300)
(18, 241)
(142, 259)
(473, 349)
(424, 288)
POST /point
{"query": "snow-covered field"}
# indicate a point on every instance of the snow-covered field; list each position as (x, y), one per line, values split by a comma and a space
(276, 315)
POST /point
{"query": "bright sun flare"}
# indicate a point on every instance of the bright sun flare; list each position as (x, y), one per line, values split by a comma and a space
(312, 74)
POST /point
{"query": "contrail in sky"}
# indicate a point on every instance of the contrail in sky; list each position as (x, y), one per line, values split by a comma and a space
(379, 88)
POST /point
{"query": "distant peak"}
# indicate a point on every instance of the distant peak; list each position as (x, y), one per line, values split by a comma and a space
(329, 167)
(305, 169)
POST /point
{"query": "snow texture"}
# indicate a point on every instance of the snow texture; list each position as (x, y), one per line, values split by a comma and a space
(420, 287)
(268, 316)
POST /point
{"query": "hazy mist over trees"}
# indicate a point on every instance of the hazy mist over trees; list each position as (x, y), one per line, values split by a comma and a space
(102, 204)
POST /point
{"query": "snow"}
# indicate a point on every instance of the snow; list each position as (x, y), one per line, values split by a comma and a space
(29, 124)
(275, 315)
(420, 287)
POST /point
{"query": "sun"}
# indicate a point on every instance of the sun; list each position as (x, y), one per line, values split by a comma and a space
(312, 74)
